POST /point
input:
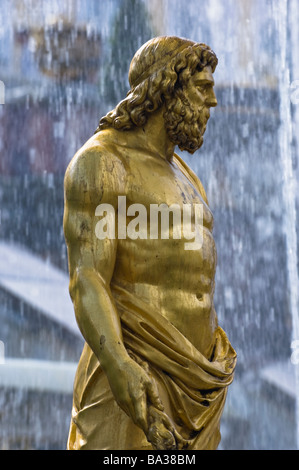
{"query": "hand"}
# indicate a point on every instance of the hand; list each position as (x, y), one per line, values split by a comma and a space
(162, 433)
(133, 389)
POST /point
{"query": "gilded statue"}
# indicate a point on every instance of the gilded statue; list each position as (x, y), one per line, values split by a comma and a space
(156, 366)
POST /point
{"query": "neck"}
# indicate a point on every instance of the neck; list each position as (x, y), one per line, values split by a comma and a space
(156, 138)
(151, 138)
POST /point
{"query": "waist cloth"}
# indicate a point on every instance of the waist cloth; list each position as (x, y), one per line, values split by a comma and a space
(193, 388)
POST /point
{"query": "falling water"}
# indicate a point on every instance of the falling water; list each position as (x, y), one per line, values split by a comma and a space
(54, 115)
(289, 184)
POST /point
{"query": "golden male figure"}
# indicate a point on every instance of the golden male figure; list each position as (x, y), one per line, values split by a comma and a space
(156, 365)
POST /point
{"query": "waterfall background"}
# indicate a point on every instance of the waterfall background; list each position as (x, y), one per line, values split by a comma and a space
(248, 164)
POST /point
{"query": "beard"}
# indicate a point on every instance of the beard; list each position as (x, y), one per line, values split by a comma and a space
(185, 124)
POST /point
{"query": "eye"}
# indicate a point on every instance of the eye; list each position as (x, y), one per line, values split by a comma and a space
(203, 86)
(208, 88)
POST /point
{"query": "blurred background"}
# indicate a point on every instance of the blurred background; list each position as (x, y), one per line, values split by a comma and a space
(63, 65)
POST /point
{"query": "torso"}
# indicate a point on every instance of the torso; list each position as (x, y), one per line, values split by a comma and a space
(179, 283)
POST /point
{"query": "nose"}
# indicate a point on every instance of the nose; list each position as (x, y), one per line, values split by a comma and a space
(211, 99)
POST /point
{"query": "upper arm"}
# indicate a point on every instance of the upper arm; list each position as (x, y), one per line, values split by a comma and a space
(88, 183)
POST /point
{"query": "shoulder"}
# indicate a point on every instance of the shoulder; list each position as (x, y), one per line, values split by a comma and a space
(97, 154)
(95, 165)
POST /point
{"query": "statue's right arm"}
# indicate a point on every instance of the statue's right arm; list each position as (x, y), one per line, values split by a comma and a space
(88, 183)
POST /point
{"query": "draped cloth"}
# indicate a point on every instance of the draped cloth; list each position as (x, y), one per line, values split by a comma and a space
(193, 388)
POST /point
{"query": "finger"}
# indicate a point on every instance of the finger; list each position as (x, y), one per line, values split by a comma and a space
(153, 395)
(167, 422)
(181, 442)
(141, 413)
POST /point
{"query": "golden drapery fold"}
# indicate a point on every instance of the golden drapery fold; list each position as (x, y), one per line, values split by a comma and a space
(193, 388)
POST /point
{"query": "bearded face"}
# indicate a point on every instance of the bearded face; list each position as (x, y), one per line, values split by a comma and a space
(185, 124)
(188, 111)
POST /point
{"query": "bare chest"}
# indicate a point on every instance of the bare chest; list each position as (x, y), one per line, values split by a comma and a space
(151, 182)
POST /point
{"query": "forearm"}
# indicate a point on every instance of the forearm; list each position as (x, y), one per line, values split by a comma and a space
(97, 317)
(99, 323)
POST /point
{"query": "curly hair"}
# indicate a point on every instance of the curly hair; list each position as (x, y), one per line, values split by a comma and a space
(159, 68)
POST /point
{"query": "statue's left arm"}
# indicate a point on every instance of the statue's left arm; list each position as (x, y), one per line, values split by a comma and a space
(88, 182)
